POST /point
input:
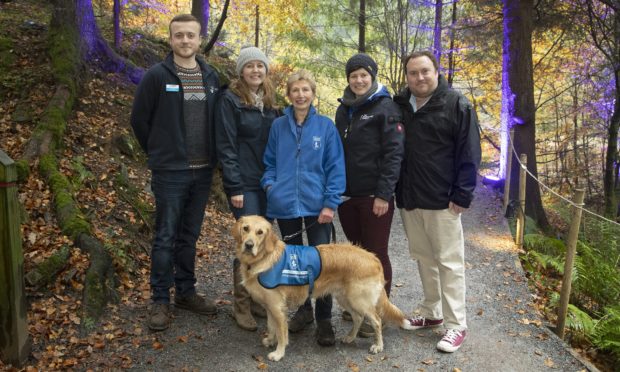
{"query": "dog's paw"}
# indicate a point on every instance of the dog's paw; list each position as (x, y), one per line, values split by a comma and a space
(268, 342)
(374, 349)
(348, 339)
(275, 356)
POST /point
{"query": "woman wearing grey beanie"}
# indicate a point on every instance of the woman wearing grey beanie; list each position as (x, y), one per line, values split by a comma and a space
(243, 119)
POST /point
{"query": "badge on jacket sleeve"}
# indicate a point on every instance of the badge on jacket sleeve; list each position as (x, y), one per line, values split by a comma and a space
(172, 87)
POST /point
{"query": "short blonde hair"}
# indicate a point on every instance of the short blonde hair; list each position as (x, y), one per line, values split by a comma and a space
(300, 75)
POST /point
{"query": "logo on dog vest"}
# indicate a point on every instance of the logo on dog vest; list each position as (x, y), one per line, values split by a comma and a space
(298, 265)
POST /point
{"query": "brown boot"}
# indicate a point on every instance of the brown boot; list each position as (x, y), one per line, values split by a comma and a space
(242, 302)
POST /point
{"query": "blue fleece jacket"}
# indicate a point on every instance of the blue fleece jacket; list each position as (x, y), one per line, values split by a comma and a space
(304, 167)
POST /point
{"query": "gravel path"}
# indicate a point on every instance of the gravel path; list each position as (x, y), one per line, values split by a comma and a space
(504, 335)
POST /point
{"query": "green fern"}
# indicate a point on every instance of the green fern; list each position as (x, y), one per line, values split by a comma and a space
(606, 333)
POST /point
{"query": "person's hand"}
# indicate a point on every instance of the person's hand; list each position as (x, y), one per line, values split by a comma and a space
(237, 201)
(380, 207)
(455, 208)
(326, 215)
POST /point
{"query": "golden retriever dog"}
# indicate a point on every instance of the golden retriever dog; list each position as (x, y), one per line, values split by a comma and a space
(352, 275)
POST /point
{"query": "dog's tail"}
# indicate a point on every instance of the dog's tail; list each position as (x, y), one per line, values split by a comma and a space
(391, 313)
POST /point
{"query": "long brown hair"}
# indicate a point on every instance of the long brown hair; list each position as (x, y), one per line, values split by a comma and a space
(241, 89)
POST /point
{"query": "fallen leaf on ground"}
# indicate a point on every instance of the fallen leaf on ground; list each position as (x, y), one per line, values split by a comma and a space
(428, 362)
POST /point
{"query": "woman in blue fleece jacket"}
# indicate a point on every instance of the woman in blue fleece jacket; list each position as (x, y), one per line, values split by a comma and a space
(304, 178)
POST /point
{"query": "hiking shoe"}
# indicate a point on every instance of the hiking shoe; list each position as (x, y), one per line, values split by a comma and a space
(159, 317)
(419, 322)
(301, 319)
(325, 333)
(196, 304)
(451, 340)
(366, 329)
(346, 316)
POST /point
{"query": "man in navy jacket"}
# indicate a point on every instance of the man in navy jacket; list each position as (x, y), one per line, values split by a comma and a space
(438, 177)
(172, 118)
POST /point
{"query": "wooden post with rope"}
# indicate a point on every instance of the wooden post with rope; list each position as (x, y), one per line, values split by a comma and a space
(508, 170)
(521, 212)
(14, 341)
(571, 249)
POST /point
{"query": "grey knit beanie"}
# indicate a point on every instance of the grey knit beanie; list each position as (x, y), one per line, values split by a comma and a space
(364, 61)
(250, 53)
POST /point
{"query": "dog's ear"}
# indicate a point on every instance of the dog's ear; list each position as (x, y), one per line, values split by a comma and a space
(235, 231)
(271, 241)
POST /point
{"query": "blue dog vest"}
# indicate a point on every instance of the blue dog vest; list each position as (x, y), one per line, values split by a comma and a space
(299, 265)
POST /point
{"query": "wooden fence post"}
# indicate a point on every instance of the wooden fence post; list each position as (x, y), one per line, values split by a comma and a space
(521, 213)
(571, 249)
(14, 341)
(508, 170)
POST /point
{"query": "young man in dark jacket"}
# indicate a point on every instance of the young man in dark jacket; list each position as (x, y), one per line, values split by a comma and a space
(438, 177)
(172, 118)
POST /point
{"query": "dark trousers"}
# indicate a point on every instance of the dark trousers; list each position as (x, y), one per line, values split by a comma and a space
(372, 233)
(317, 234)
(180, 200)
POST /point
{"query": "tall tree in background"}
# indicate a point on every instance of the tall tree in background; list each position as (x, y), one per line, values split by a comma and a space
(451, 63)
(362, 27)
(218, 28)
(257, 27)
(437, 30)
(518, 109)
(201, 9)
(118, 34)
(604, 28)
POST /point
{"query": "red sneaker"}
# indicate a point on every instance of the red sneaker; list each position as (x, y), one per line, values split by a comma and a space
(452, 340)
(419, 322)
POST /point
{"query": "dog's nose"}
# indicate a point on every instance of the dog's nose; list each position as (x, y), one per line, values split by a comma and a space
(249, 245)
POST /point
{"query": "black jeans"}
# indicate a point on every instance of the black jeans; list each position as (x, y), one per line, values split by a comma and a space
(180, 200)
(317, 234)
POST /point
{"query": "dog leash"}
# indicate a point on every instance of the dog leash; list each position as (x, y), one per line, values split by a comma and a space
(291, 236)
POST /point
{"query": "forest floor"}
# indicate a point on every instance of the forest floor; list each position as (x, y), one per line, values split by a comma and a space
(506, 330)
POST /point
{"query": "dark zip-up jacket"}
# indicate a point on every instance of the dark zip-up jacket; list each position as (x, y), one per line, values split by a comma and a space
(372, 137)
(157, 115)
(442, 151)
(241, 132)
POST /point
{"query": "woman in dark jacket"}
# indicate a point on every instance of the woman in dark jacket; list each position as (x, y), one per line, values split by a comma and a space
(370, 127)
(243, 119)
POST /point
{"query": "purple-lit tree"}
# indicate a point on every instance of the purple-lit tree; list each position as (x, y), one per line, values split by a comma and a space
(518, 108)
(94, 49)
(118, 34)
(201, 9)
(604, 28)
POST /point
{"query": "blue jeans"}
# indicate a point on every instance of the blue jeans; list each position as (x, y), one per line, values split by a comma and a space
(180, 200)
(318, 234)
(254, 203)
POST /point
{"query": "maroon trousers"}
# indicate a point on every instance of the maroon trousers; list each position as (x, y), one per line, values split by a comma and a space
(363, 228)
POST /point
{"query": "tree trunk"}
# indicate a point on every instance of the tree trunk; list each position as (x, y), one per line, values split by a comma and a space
(611, 157)
(95, 50)
(362, 27)
(257, 27)
(518, 108)
(218, 28)
(118, 34)
(451, 63)
(437, 30)
(201, 9)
